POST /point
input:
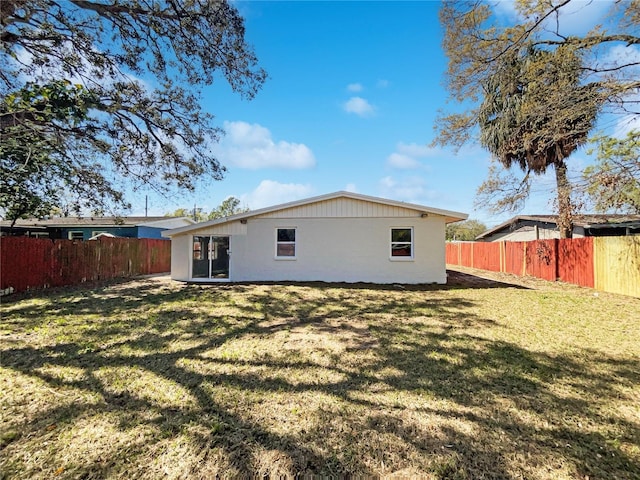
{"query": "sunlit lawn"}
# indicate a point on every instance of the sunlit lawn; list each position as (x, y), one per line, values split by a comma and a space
(151, 379)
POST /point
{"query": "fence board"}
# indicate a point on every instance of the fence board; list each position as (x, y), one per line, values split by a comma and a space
(541, 259)
(610, 264)
(466, 254)
(617, 264)
(31, 263)
(486, 255)
(575, 261)
(452, 253)
(514, 261)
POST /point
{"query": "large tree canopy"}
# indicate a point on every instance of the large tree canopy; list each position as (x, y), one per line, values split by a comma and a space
(529, 93)
(110, 90)
(535, 113)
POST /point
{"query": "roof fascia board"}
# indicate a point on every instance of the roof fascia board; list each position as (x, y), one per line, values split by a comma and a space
(152, 223)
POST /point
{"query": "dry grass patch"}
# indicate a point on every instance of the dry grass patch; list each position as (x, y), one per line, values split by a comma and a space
(479, 379)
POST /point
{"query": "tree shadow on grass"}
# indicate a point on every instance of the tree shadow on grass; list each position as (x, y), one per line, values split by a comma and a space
(320, 379)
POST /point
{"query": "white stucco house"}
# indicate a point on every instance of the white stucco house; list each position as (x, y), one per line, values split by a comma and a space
(338, 237)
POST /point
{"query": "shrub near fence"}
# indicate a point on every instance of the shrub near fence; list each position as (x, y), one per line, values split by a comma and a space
(32, 263)
(611, 264)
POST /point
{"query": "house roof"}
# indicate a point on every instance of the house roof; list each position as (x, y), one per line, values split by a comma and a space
(584, 221)
(91, 222)
(450, 216)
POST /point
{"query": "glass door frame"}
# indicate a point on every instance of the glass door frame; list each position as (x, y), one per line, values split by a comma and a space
(211, 242)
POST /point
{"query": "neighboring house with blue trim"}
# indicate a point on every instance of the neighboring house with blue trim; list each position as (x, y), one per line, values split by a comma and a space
(84, 228)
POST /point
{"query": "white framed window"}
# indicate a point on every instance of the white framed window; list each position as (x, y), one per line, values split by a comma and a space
(401, 243)
(286, 243)
(75, 235)
(96, 232)
(39, 234)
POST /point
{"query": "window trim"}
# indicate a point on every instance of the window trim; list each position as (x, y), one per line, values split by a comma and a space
(71, 232)
(396, 258)
(294, 243)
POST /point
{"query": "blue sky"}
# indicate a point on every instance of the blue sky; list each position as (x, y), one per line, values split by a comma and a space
(353, 92)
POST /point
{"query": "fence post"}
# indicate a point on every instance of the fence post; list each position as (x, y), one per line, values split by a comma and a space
(556, 273)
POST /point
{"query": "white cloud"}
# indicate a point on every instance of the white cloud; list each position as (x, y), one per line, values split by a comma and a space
(355, 87)
(407, 154)
(351, 187)
(574, 18)
(382, 83)
(411, 189)
(250, 146)
(398, 160)
(270, 192)
(417, 150)
(359, 106)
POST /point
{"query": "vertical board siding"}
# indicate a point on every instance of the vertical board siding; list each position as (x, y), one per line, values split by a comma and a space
(340, 208)
(32, 263)
(610, 264)
(617, 264)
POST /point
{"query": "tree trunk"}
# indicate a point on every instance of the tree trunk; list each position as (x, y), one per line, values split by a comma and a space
(565, 208)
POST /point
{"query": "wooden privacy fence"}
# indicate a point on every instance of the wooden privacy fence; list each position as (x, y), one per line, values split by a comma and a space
(32, 263)
(610, 264)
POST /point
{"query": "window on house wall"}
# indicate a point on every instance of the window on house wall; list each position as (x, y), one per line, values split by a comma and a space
(75, 235)
(96, 232)
(402, 243)
(286, 243)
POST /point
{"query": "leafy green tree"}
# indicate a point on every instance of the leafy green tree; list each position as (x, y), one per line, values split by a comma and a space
(613, 182)
(195, 213)
(228, 207)
(529, 93)
(134, 69)
(36, 170)
(466, 230)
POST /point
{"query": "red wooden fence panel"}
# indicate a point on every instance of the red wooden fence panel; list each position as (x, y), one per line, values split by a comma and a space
(514, 258)
(486, 256)
(451, 253)
(28, 263)
(568, 260)
(466, 254)
(575, 261)
(541, 259)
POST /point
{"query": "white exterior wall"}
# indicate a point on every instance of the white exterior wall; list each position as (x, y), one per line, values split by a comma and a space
(181, 257)
(181, 247)
(344, 238)
(340, 250)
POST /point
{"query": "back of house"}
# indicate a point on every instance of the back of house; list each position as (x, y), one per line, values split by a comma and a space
(339, 237)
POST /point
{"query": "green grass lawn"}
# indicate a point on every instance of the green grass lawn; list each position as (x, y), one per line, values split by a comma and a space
(477, 380)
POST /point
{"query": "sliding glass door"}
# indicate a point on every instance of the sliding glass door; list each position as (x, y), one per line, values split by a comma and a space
(210, 257)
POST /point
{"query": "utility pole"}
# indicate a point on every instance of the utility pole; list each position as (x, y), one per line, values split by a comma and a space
(146, 205)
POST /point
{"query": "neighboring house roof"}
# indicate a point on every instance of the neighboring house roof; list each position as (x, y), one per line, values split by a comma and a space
(58, 222)
(450, 216)
(587, 221)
